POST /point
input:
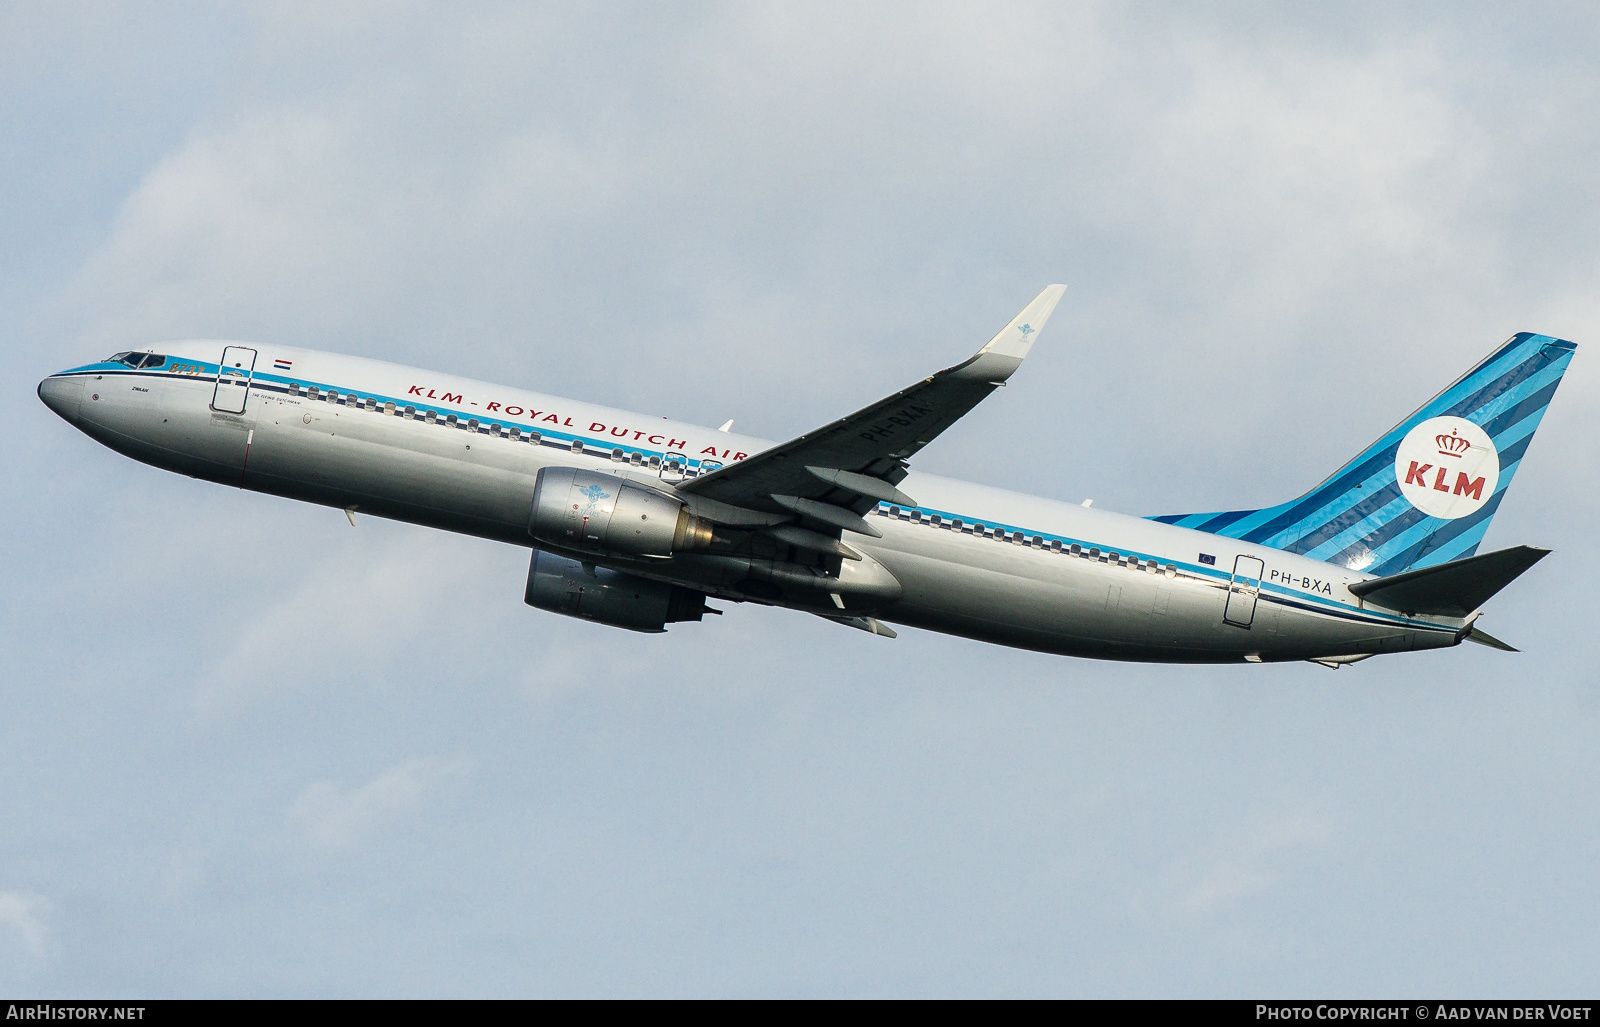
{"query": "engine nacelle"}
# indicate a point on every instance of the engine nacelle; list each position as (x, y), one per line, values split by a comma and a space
(565, 586)
(604, 513)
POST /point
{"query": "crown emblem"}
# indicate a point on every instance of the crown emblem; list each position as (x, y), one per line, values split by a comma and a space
(1452, 444)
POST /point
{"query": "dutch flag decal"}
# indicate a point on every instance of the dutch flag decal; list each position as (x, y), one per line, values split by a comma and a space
(282, 364)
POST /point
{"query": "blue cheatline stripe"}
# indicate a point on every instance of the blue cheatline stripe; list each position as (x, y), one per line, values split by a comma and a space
(1359, 513)
(1220, 578)
(264, 381)
(1213, 575)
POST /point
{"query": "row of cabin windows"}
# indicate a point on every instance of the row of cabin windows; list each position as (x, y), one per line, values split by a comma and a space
(675, 462)
(1036, 541)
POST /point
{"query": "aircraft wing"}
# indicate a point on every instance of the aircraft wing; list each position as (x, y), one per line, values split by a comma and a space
(835, 473)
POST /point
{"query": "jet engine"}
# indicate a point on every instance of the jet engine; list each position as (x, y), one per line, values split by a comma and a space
(603, 513)
(565, 586)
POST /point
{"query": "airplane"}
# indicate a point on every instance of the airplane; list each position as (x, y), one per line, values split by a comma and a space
(640, 522)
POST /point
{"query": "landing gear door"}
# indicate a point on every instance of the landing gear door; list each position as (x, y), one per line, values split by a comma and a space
(233, 379)
(672, 467)
(1243, 591)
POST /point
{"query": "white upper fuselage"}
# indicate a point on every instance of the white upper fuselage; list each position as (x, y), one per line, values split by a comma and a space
(986, 563)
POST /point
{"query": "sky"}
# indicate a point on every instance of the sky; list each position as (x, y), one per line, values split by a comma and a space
(355, 764)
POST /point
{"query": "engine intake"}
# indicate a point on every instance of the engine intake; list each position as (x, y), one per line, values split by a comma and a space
(574, 589)
(602, 513)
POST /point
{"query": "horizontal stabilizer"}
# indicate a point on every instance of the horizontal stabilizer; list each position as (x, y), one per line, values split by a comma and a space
(1452, 589)
(1482, 637)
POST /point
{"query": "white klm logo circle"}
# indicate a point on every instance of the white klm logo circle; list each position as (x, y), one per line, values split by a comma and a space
(1447, 467)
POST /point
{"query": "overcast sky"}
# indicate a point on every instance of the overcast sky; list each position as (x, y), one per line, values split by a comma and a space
(356, 764)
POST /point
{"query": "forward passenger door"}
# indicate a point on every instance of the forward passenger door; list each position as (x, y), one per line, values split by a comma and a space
(233, 380)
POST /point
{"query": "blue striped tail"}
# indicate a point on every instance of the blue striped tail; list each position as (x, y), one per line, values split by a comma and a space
(1424, 493)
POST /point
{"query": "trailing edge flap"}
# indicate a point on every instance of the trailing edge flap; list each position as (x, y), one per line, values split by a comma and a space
(876, 440)
(1452, 589)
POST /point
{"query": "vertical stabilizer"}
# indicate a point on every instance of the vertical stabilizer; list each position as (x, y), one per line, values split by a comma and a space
(1424, 493)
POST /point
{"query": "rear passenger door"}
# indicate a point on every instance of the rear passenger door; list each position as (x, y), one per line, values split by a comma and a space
(1243, 591)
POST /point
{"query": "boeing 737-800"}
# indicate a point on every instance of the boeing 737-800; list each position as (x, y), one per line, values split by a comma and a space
(637, 522)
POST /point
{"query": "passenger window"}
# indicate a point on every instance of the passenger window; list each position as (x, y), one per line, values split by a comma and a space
(535, 438)
(516, 434)
(472, 424)
(1038, 543)
(636, 459)
(655, 462)
(616, 456)
(410, 412)
(577, 446)
(431, 417)
(450, 419)
(388, 408)
(934, 520)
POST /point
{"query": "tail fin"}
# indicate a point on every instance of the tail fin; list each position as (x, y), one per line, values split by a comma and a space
(1424, 493)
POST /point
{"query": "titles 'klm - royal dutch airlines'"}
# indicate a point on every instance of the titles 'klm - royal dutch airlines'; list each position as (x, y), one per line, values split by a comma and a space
(638, 522)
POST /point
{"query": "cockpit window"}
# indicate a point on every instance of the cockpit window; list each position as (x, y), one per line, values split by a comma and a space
(137, 360)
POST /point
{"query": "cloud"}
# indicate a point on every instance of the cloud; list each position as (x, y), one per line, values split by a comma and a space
(328, 818)
(23, 916)
(1282, 231)
(1245, 864)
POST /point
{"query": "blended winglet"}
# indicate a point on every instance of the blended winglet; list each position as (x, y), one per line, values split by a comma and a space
(1016, 338)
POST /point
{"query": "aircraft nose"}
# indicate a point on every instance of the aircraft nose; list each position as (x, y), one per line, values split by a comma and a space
(63, 395)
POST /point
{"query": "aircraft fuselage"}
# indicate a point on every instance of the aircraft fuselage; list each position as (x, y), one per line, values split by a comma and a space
(970, 560)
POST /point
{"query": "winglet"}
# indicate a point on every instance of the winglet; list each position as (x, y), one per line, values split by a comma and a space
(1016, 338)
